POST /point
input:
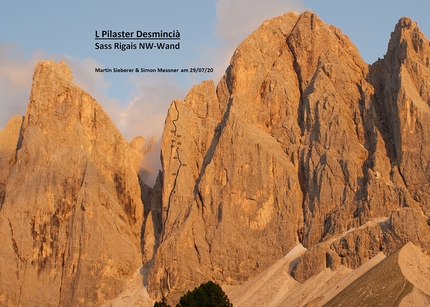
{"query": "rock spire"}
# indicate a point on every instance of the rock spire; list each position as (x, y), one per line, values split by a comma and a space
(71, 213)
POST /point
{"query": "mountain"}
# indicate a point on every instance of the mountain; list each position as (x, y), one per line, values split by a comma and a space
(71, 210)
(300, 142)
(302, 149)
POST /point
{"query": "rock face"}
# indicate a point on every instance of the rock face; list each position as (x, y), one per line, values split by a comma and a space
(227, 186)
(71, 212)
(300, 142)
(9, 138)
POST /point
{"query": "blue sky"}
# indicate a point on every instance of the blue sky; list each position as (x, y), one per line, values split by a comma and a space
(210, 30)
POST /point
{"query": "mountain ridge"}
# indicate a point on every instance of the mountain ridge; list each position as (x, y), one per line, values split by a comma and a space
(301, 142)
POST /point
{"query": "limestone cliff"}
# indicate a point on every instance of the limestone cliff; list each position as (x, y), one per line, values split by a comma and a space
(71, 212)
(300, 142)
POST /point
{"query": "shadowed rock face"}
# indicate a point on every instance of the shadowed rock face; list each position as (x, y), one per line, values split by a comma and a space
(71, 216)
(9, 139)
(300, 141)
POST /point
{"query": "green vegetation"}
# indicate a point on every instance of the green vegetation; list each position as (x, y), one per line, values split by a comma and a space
(163, 303)
(206, 295)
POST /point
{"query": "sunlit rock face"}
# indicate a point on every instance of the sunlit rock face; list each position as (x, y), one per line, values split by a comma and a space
(300, 142)
(71, 212)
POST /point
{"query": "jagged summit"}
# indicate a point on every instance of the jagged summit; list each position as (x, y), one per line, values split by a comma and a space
(408, 42)
(404, 25)
(61, 69)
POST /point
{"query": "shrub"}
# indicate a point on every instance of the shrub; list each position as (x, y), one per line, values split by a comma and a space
(163, 303)
(206, 295)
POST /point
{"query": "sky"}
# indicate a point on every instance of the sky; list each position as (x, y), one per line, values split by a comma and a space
(209, 31)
